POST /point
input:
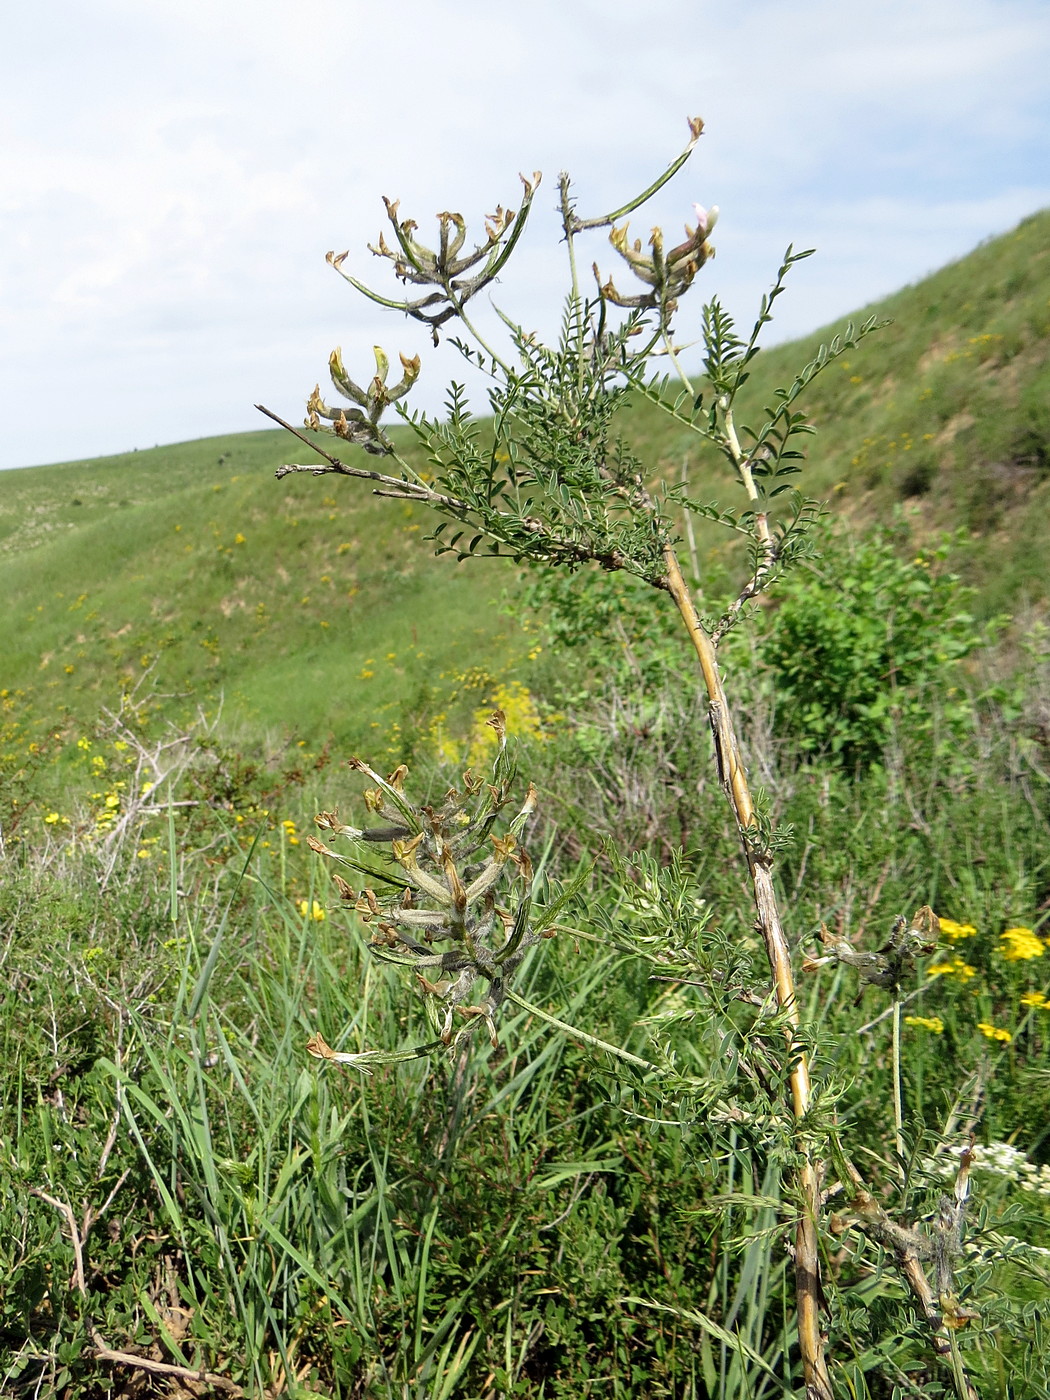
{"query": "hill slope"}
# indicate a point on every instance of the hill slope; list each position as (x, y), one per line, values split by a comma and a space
(946, 410)
(310, 606)
(306, 609)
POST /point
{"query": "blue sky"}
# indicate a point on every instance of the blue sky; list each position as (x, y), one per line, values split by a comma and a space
(172, 173)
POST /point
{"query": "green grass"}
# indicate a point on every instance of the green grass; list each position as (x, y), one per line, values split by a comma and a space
(304, 610)
(299, 1229)
(522, 1221)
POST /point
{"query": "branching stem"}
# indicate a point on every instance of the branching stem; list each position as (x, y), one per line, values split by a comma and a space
(734, 781)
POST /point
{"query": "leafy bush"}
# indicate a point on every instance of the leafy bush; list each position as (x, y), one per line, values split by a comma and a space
(865, 642)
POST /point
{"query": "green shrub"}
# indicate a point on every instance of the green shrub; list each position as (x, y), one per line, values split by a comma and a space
(865, 642)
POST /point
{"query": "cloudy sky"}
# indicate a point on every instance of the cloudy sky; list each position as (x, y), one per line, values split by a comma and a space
(172, 173)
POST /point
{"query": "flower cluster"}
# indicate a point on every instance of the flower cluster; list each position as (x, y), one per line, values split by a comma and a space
(888, 967)
(994, 1032)
(457, 275)
(956, 967)
(928, 1023)
(1016, 944)
(1020, 944)
(997, 1159)
(439, 888)
(953, 931)
(670, 273)
(521, 716)
(361, 425)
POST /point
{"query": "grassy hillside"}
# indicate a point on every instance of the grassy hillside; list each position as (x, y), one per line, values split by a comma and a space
(307, 609)
(310, 607)
(946, 411)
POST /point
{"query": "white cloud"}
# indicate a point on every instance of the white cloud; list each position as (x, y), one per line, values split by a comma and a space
(172, 172)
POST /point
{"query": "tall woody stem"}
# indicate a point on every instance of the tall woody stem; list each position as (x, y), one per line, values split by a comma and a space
(734, 782)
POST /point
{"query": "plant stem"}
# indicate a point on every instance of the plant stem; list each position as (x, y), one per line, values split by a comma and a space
(734, 782)
(567, 224)
(898, 1103)
(577, 1034)
(743, 466)
(454, 301)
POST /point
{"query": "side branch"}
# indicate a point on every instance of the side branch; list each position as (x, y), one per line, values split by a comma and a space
(756, 585)
(911, 1251)
(417, 491)
(574, 225)
(499, 526)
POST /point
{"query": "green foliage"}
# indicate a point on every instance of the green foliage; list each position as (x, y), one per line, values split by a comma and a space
(867, 642)
(423, 1227)
(179, 564)
(407, 1228)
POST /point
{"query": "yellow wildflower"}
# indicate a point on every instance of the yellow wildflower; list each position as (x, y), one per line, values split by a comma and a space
(929, 1023)
(994, 1032)
(1016, 944)
(1036, 999)
(956, 968)
(521, 716)
(311, 910)
(953, 931)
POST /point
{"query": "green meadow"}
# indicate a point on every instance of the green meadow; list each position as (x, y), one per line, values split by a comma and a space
(190, 1204)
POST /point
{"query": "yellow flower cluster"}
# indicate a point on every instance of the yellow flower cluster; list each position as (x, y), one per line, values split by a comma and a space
(994, 1032)
(929, 1023)
(522, 720)
(311, 910)
(956, 968)
(953, 931)
(108, 806)
(1016, 944)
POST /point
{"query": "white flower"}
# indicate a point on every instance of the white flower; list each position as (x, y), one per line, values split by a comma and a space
(706, 218)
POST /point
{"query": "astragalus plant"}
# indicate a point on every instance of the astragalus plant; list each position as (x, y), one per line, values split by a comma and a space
(548, 479)
(436, 910)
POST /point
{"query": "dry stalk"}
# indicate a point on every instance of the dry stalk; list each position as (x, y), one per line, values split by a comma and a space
(734, 782)
(912, 1251)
